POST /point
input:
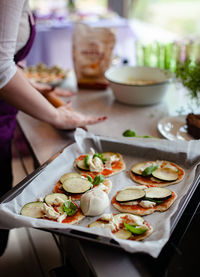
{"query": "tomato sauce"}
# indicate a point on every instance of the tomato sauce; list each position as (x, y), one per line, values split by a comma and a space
(81, 157)
(117, 165)
(147, 180)
(58, 188)
(106, 172)
(70, 219)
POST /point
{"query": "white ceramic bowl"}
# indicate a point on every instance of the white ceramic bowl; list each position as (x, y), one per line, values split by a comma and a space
(145, 94)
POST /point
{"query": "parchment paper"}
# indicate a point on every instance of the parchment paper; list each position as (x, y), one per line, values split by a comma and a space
(185, 154)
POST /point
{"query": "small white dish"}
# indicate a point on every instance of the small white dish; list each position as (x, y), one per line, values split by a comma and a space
(174, 128)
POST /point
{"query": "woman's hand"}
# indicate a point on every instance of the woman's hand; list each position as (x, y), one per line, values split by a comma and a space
(69, 119)
(45, 89)
(19, 93)
(52, 93)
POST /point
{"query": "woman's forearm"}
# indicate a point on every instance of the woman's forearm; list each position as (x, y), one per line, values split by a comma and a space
(20, 94)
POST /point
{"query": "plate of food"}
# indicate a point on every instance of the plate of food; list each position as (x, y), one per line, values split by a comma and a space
(41, 73)
(107, 190)
(174, 128)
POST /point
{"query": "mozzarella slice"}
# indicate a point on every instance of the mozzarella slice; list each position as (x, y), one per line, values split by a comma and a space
(147, 204)
(138, 220)
(132, 203)
(106, 217)
(95, 165)
(110, 160)
(50, 212)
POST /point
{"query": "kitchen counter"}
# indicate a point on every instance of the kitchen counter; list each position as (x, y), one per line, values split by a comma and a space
(45, 142)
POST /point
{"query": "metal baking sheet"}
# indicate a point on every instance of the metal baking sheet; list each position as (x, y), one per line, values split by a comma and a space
(141, 149)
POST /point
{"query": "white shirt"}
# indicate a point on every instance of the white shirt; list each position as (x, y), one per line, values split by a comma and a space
(14, 33)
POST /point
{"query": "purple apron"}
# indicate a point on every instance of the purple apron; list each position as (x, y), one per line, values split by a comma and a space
(8, 121)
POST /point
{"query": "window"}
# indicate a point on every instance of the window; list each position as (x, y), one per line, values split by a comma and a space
(178, 16)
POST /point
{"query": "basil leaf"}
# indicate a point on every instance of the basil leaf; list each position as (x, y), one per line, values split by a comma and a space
(69, 207)
(148, 170)
(98, 180)
(153, 200)
(90, 178)
(129, 133)
(86, 160)
(104, 160)
(135, 229)
(100, 156)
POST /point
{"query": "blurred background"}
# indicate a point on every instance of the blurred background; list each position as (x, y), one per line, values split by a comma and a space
(179, 16)
(149, 32)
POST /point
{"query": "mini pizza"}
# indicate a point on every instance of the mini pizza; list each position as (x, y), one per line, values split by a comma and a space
(143, 200)
(75, 185)
(45, 74)
(124, 226)
(56, 207)
(106, 163)
(158, 173)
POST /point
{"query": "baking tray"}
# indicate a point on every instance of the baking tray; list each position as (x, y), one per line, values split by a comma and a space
(109, 144)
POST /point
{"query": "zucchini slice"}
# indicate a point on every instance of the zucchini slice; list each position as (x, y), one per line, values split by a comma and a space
(130, 195)
(81, 165)
(140, 167)
(76, 185)
(50, 198)
(165, 174)
(99, 223)
(123, 234)
(134, 219)
(157, 193)
(68, 175)
(33, 209)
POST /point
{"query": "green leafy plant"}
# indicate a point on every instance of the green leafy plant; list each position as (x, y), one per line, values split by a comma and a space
(188, 72)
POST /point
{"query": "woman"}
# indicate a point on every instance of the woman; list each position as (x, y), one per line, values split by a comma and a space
(16, 93)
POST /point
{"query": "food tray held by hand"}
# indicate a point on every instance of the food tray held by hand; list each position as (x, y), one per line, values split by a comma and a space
(45, 178)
